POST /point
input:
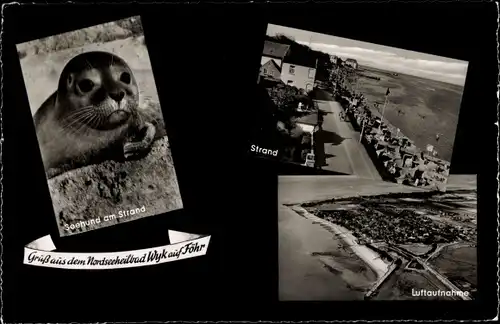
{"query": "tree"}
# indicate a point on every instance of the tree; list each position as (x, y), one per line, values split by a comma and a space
(285, 99)
(344, 77)
(351, 78)
(324, 68)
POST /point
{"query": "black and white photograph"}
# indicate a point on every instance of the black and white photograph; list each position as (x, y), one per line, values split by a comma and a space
(352, 238)
(99, 126)
(355, 108)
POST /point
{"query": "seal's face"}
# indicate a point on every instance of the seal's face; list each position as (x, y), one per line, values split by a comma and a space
(98, 90)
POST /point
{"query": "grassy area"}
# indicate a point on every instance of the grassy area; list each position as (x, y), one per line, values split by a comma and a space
(457, 264)
(418, 249)
(421, 108)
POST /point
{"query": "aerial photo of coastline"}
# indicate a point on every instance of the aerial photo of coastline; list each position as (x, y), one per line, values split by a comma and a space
(347, 238)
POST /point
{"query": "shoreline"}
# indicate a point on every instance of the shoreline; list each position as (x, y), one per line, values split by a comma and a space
(368, 256)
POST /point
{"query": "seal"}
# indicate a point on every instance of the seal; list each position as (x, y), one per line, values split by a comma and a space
(93, 113)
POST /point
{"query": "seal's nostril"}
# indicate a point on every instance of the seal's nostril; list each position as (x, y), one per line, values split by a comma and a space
(117, 96)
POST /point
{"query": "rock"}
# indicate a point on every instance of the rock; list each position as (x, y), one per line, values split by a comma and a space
(96, 191)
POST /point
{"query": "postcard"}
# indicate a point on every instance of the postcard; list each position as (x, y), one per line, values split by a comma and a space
(99, 126)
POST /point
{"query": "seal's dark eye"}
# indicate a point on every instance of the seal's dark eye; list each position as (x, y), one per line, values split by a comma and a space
(86, 85)
(125, 77)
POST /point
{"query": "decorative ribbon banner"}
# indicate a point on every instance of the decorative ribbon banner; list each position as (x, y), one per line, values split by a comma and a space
(183, 246)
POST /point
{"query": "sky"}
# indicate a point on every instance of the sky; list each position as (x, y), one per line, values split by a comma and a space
(378, 56)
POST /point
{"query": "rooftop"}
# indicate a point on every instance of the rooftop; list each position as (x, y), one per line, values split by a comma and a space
(302, 60)
(272, 63)
(311, 119)
(276, 50)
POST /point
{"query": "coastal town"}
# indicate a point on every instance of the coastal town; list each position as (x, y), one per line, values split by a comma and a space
(325, 120)
(400, 222)
(379, 240)
(408, 231)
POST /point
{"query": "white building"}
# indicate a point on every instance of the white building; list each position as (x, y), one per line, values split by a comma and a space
(352, 63)
(299, 76)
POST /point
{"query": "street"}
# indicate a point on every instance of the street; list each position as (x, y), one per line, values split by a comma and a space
(342, 150)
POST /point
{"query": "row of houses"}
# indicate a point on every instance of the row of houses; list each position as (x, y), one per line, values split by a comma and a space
(348, 62)
(277, 64)
(299, 71)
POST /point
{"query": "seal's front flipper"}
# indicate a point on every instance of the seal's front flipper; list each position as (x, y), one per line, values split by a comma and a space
(149, 134)
(139, 148)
